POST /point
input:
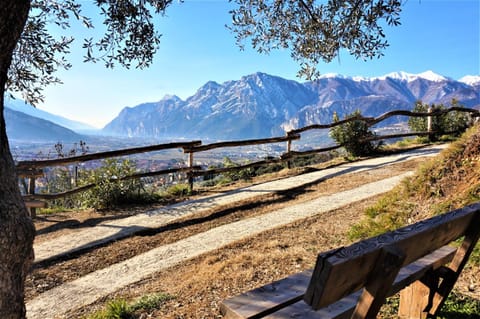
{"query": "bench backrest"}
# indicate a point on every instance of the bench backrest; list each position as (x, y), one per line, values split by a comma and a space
(374, 263)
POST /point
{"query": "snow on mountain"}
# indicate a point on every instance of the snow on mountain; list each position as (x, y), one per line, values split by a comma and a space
(432, 76)
(409, 77)
(340, 76)
(470, 79)
(401, 76)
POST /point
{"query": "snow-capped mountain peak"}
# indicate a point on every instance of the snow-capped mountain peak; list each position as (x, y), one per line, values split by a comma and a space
(470, 79)
(432, 76)
(340, 76)
(409, 77)
(331, 76)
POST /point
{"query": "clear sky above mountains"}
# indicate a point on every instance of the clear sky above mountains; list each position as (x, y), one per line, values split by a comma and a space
(438, 35)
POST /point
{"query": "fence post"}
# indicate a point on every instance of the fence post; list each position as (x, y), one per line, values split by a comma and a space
(429, 119)
(190, 176)
(429, 123)
(31, 191)
(289, 148)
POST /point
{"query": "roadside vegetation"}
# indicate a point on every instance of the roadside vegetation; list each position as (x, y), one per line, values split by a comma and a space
(121, 309)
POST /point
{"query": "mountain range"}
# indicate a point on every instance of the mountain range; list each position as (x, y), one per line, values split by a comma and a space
(256, 106)
(262, 105)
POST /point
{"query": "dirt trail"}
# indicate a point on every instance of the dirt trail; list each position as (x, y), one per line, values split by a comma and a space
(55, 303)
(84, 238)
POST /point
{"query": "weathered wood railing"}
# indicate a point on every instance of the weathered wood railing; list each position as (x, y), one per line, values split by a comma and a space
(34, 169)
(353, 281)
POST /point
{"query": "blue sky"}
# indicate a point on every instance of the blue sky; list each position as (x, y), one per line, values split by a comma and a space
(438, 35)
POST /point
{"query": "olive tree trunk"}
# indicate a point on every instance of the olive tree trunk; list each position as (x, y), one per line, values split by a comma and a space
(16, 227)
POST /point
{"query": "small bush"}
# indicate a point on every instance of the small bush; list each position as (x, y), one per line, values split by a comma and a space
(150, 302)
(178, 190)
(354, 136)
(116, 309)
(121, 309)
(241, 174)
(110, 189)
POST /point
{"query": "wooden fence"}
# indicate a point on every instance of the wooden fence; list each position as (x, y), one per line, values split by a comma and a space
(34, 169)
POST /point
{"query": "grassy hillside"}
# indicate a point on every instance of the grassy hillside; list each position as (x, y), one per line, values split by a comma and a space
(446, 182)
(449, 181)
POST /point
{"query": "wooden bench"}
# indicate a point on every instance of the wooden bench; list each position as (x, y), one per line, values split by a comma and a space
(354, 281)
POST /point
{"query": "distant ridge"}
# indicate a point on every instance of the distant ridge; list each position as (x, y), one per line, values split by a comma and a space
(21, 106)
(262, 105)
(23, 127)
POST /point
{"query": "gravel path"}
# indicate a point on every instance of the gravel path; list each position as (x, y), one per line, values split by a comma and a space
(57, 302)
(113, 230)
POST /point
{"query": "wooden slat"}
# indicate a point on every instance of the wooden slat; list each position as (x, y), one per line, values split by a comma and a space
(83, 188)
(35, 204)
(344, 308)
(267, 299)
(333, 279)
(280, 294)
(237, 168)
(32, 172)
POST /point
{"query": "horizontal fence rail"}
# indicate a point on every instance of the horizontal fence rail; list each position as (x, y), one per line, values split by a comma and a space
(375, 120)
(201, 148)
(28, 165)
(34, 169)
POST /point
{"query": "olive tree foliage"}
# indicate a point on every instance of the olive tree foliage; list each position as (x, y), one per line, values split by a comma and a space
(313, 31)
(129, 38)
(316, 31)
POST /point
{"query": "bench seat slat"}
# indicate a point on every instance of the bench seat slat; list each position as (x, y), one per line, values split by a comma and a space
(283, 298)
(269, 298)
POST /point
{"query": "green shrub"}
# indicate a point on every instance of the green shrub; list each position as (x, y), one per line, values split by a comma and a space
(354, 136)
(110, 189)
(116, 309)
(178, 190)
(240, 174)
(150, 302)
(121, 309)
